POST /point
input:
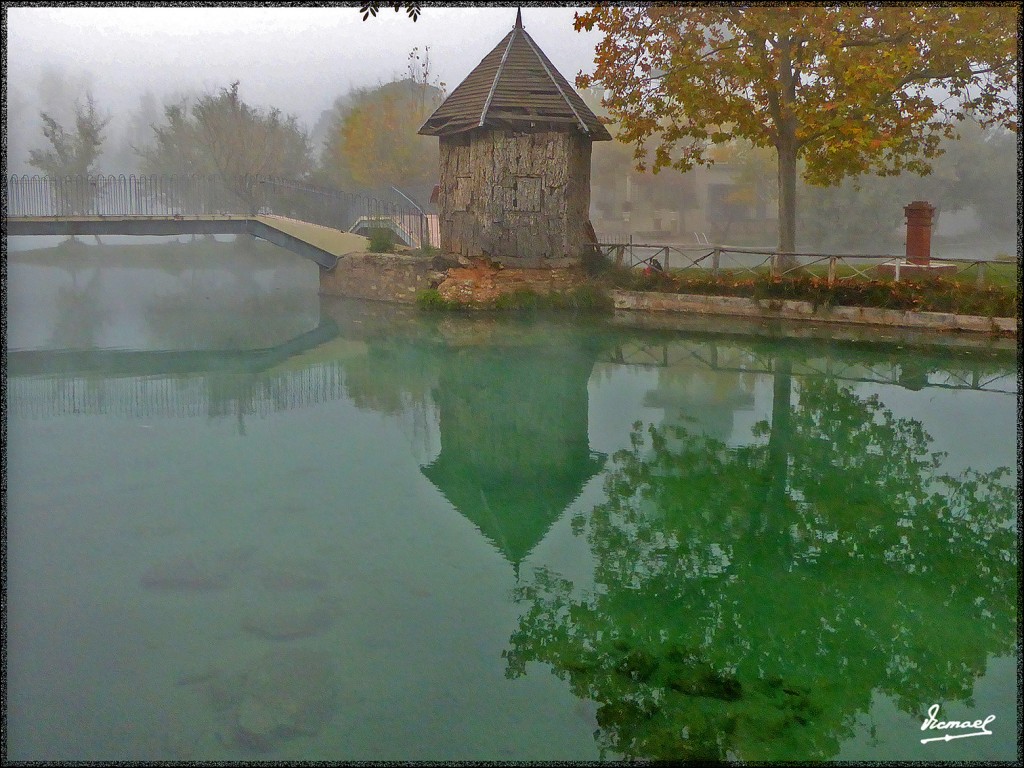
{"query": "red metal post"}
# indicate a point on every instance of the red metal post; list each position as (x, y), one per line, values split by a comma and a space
(919, 231)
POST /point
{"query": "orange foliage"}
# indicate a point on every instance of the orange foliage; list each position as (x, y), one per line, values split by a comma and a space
(847, 89)
(376, 141)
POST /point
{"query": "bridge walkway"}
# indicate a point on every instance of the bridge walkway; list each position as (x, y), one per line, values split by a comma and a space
(323, 245)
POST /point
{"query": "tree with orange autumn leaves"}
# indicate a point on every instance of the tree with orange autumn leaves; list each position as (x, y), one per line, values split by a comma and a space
(846, 89)
(373, 142)
(377, 139)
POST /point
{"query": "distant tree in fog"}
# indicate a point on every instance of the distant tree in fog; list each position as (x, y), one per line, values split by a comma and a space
(372, 142)
(864, 214)
(123, 153)
(71, 152)
(219, 134)
(175, 148)
(610, 161)
(20, 131)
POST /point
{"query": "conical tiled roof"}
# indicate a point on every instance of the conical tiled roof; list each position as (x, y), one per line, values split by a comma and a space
(514, 87)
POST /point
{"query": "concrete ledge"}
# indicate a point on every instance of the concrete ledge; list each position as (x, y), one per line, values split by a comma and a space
(781, 309)
(734, 326)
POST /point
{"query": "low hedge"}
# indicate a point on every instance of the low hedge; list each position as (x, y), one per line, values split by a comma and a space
(929, 295)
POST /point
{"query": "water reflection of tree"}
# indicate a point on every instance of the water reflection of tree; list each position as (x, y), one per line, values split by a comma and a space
(394, 377)
(228, 320)
(80, 312)
(749, 601)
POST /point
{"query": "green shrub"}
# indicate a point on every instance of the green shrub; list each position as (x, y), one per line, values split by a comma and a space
(382, 240)
(595, 263)
(432, 301)
(590, 298)
(583, 298)
(520, 298)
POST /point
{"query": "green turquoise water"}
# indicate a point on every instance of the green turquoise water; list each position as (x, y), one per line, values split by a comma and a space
(246, 523)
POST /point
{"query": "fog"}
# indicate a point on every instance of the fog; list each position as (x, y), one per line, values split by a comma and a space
(298, 60)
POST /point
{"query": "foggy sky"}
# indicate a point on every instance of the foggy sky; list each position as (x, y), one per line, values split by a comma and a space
(296, 59)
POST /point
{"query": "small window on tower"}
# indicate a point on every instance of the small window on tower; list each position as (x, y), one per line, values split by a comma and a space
(528, 192)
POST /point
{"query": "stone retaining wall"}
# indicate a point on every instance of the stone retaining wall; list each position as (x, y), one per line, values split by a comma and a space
(480, 285)
(804, 310)
(381, 276)
(398, 278)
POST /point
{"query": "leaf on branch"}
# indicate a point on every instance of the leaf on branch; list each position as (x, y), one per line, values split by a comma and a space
(370, 9)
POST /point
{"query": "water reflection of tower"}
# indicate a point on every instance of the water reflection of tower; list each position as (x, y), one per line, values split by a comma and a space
(515, 449)
(698, 393)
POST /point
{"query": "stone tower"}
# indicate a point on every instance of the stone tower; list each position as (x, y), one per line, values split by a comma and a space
(515, 142)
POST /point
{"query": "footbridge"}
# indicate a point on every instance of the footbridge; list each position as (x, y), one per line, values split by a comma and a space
(324, 245)
(318, 223)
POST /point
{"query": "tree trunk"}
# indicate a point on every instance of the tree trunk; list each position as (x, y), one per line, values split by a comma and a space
(787, 199)
(786, 146)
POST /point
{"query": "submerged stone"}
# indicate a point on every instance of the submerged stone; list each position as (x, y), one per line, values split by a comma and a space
(292, 574)
(286, 693)
(195, 571)
(293, 620)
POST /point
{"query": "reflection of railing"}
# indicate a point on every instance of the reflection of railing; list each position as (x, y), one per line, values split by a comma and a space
(737, 261)
(261, 394)
(206, 395)
(680, 353)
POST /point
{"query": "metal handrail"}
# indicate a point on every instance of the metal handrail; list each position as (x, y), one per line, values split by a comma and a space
(713, 259)
(193, 195)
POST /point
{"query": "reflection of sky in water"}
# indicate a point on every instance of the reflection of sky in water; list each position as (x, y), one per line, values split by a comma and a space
(193, 305)
(886, 734)
(964, 423)
(961, 422)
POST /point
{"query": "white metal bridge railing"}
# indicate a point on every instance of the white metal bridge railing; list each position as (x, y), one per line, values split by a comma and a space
(203, 195)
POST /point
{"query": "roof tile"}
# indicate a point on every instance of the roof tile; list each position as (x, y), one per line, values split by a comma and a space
(515, 86)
